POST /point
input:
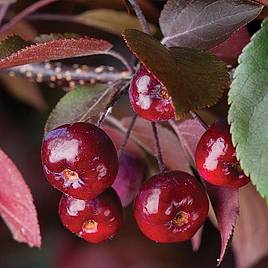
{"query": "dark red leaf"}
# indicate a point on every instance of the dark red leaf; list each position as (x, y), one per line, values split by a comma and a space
(16, 204)
(263, 2)
(224, 201)
(53, 50)
(230, 50)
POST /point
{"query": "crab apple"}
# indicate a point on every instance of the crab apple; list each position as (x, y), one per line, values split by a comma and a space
(216, 160)
(149, 98)
(93, 220)
(129, 178)
(171, 207)
(79, 159)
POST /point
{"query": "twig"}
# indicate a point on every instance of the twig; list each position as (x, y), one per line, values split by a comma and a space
(161, 164)
(3, 11)
(120, 58)
(24, 13)
(140, 16)
(132, 123)
(197, 116)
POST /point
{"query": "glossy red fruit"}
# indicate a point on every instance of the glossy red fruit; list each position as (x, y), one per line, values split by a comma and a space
(216, 158)
(129, 178)
(149, 98)
(79, 159)
(94, 220)
(171, 207)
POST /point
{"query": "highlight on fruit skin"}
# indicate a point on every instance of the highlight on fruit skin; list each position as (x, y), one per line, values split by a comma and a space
(171, 207)
(79, 159)
(149, 98)
(94, 220)
(216, 160)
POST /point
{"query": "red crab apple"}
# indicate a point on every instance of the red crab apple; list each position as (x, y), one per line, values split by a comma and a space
(216, 160)
(79, 159)
(94, 220)
(171, 207)
(129, 178)
(149, 98)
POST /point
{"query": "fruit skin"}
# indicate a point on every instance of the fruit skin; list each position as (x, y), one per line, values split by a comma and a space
(216, 160)
(171, 207)
(79, 159)
(129, 178)
(149, 98)
(93, 220)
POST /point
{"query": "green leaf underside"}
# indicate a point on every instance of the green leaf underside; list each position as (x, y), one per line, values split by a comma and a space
(248, 114)
(204, 77)
(110, 20)
(86, 104)
(72, 106)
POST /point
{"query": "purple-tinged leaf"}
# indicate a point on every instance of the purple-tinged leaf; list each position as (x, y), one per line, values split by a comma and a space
(172, 151)
(225, 201)
(16, 204)
(204, 24)
(250, 242)
(197, 239)
(230, 49)
(15, 51)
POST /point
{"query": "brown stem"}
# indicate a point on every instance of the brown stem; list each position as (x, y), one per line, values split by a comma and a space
(144, 24)
(198, 117)
(24, 13)
(161, 164)
(132, 123)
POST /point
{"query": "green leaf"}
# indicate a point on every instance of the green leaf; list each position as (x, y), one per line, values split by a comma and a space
(194, 79)
(204, 77)
(87, 103)
(11, 44)
(248, 114)
(159, 62)
(110, 20)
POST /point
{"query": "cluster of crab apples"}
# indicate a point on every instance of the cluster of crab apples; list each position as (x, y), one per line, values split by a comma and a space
(81, 161)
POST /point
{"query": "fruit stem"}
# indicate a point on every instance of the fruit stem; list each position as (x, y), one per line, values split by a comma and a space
(132, 123)
(198, 117)
(161, 164)
(140, 16)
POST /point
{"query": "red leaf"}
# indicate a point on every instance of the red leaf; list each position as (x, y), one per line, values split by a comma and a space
(55, 49)
(224, 201)
(250, 242)
(263, 2)
(230, 50)
(16, 204)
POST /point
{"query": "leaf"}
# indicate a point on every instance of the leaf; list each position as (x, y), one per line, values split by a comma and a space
(204, 24)
(204, 79)
(172, 151)
(14, 51)
(248, 113)
(262, 2)
(11, 45)
(230, 49)
(24, 91)
(16, 204)
(166, 72)
(225, 201)
(111, 20)
(249, 243)
(83, 104)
